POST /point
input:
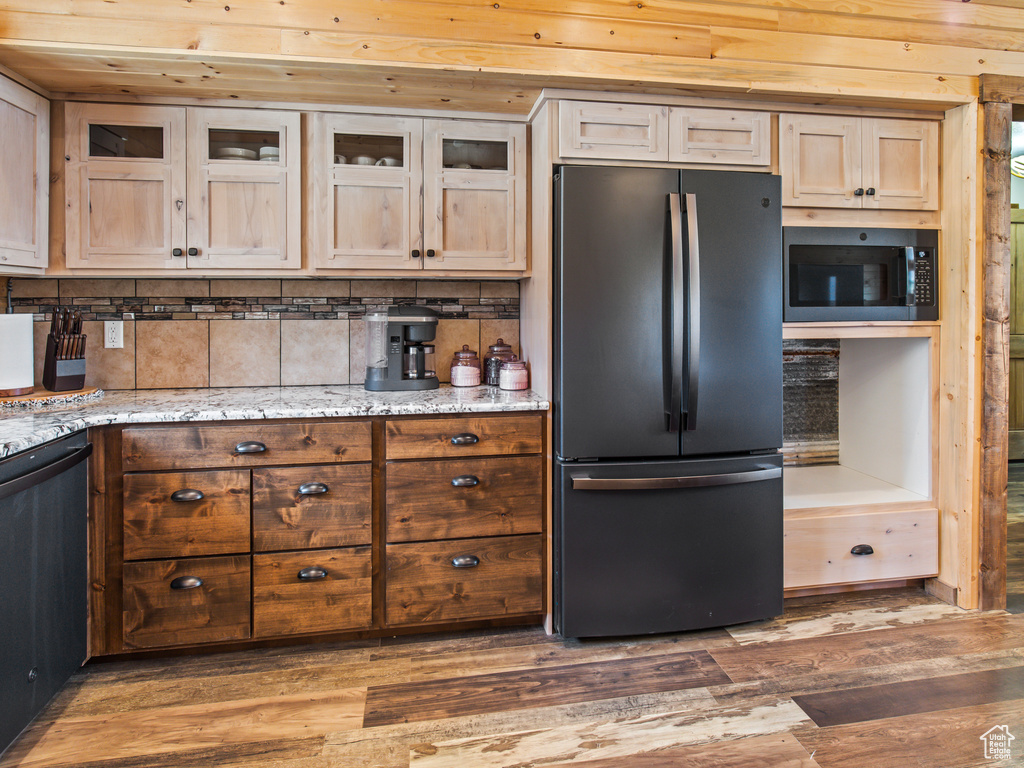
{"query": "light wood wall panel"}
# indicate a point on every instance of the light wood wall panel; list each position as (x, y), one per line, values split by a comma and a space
(405, 52)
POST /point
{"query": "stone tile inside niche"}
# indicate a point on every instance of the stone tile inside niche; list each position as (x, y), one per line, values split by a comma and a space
(499, 289)
(172, 353)
(451, 336)
(109, 368)
(78, 287)
(383, 289)
(314, 352)
(357, 351)
(233, 288)
(34, 288)
(316, 288)
(164, 287)
(245, 353)
(492, 330)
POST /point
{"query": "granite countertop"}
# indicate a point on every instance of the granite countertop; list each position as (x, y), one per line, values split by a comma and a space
(21, 430)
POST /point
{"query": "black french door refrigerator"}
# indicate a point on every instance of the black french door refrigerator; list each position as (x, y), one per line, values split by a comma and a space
(667, 400)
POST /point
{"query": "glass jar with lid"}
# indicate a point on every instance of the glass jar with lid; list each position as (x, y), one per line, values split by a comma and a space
(465, 368)
(513, 374)
(497, 353)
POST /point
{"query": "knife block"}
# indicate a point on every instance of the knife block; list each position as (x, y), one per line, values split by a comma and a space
(62, 375)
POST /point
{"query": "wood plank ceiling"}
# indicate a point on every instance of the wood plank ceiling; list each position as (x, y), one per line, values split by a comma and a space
(496, 55)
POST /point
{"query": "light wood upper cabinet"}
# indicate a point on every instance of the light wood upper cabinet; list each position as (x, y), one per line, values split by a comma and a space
(411, 194)
(720, 136)
(612, 131)
(851, 162)
(174, 188)
(474, 195)
(24, 179)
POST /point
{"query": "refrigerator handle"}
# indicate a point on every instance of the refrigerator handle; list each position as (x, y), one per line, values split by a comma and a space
(583, 482)
(693, 313)
(674, 396)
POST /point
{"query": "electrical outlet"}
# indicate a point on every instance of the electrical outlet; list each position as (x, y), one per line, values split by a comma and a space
(113, 334)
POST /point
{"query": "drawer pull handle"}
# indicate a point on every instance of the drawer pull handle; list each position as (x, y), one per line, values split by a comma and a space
(250, 446)
(187, 494)
(186, 582)
(862, 549)
(313, 573)
(465, 481)
(466, 438)
(466, 561)
(311, 489)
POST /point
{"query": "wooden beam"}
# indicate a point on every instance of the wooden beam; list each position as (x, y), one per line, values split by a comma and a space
(1000, 88)
(995, 344)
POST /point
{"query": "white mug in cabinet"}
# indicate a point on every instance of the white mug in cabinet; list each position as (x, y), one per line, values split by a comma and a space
(389, 161)
(363, 160)
(340, 160)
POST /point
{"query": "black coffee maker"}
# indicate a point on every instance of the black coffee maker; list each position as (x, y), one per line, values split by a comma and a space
(398, 353)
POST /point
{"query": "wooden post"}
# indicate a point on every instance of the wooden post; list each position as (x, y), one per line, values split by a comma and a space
(995, 346)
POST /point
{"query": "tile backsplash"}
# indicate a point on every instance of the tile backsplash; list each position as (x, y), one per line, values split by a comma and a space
(256, 332)
(810, 401)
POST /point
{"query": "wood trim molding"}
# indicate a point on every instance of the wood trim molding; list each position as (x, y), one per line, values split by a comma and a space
(997, 94)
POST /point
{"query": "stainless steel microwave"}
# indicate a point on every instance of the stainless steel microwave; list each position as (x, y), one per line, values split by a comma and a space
(838, 274)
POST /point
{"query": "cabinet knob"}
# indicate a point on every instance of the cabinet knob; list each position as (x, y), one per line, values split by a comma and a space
(312, 573)
(430, 253)
(311, 489)
(859, 191)
(250, 446)
(177, 252)
(466, 438)
(862, 549)
(466, 561)
(871, 190)
(465, 481)
(186, 582)
(416, 253)
(193, 251)
(187, 494)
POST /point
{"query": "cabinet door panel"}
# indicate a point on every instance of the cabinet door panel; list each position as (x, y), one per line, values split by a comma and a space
(306, 507)
(367, 216)
(492, 497)
(474, 195)
(820, 160)
(901, 160)
(159, 524)
(719, 136)
(463, 436)
(612, 131)
(335, 595)
(216, 610)
(24, 187)
(244, 212)
(125, 186)
(424, 584)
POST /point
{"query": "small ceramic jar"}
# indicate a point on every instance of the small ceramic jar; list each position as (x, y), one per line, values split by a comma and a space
(465, 368)
(513, 374)
(497, 353)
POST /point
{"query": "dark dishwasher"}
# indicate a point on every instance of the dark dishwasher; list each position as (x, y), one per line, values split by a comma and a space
(43, 577)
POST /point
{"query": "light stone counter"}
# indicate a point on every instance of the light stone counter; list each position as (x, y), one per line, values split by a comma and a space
(21, 430)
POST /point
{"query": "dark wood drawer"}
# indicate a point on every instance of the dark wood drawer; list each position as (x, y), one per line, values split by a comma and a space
(423, 585)
(156, 614)
(245, 445)
(492, 497)
(464, 436)
(284, 603)
(183, 514)
(311, 507)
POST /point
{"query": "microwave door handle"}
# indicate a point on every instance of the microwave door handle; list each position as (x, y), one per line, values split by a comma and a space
(902, 269)
(674, 378)
(693, 313)
(909, 254)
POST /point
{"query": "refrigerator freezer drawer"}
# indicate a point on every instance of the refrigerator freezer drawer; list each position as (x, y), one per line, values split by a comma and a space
(691, 555)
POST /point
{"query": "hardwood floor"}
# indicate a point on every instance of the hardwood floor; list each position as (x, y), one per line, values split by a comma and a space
(1015, 539)
(871, 679)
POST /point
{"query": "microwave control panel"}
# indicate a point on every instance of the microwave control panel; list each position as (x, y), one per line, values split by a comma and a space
(924, 279)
